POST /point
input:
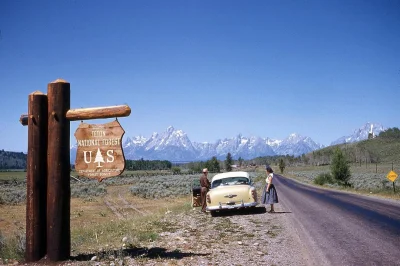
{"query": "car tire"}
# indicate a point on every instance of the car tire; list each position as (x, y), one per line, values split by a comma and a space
(214, 213)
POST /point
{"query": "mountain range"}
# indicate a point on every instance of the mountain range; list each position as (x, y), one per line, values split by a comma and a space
(175, 145)
(361, 133)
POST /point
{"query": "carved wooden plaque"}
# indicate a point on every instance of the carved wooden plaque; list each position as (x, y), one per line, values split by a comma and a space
(99, 150)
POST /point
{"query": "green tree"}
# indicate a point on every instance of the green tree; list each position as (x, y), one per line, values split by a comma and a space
(214, 165)
(228, 162)
(340, 168)
(390, 133)
(240, 160)
(282, 165)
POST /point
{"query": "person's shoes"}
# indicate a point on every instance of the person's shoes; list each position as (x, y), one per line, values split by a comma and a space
(271, 211)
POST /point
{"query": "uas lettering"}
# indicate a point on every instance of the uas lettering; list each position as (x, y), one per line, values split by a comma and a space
(99, 158)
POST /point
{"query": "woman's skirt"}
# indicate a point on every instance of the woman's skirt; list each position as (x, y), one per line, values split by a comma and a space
(269, 197)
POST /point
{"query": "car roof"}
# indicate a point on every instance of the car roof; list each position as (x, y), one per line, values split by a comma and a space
(230, 174)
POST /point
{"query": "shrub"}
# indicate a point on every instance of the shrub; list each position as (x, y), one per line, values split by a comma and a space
(2, 241)
(176, 170)
(12, 195)
(164, 186)
(87, 190)
(323, 178)
(14, 247)
(282, 165)
(340, 168)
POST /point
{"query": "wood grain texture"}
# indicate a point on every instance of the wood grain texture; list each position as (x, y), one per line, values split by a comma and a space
(58, 173)
(90, 113)
(98, 112)
(36, 187)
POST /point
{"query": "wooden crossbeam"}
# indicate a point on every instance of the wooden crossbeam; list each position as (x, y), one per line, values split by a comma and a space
(90, 113)
(98, 112)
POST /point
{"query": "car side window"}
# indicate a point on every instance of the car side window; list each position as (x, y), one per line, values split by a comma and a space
(216, 183)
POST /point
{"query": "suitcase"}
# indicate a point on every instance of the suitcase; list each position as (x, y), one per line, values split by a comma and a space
(196, 196)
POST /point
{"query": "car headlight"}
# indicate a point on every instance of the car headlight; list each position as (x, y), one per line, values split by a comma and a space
(208, 198)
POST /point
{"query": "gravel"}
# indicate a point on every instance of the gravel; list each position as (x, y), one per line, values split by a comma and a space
(243, 237)
(233, 238)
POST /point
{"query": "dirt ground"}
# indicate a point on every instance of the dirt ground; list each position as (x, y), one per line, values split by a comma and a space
(246, 237)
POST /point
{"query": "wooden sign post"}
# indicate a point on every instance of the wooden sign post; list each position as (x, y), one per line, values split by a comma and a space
(58, 172)
(36, 184)
(48, 123)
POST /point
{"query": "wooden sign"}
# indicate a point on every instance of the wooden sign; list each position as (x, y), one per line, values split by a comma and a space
(99, 153)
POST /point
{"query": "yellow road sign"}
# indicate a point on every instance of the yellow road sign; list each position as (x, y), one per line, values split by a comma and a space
(392, 176)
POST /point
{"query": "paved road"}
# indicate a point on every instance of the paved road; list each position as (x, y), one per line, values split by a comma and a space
(340, 228)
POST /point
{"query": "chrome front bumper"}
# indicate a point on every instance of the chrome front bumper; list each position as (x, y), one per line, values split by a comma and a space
(227, 207)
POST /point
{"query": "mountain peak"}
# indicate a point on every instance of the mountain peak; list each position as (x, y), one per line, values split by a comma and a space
(179, 133)
(294, 137)
(170, 129)
(361, 133)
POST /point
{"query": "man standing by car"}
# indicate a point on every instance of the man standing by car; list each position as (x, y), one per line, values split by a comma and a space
(205, 186)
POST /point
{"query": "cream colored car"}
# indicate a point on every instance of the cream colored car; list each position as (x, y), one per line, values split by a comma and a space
(232, 190)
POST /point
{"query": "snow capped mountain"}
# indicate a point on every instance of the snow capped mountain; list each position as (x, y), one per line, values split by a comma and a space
(238, 146)
(174, 145)
(132, 145)
(253, 147)
(228, 145)
(296, 145)
(170, 144)
(361, 133)
(273, 142)
(205, 149)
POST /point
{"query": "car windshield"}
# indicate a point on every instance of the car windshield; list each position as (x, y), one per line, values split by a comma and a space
(240, 180)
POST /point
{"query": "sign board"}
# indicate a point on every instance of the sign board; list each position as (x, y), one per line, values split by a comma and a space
(99, 150)
(392, 176)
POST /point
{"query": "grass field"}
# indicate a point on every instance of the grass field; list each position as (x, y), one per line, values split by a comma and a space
(21, 175)
(12, 175)
(365, 179)
(98, 224)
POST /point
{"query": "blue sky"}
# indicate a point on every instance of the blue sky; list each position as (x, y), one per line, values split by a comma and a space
(211, 68)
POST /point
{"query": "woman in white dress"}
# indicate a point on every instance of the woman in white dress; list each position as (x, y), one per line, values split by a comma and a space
(269, 196)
